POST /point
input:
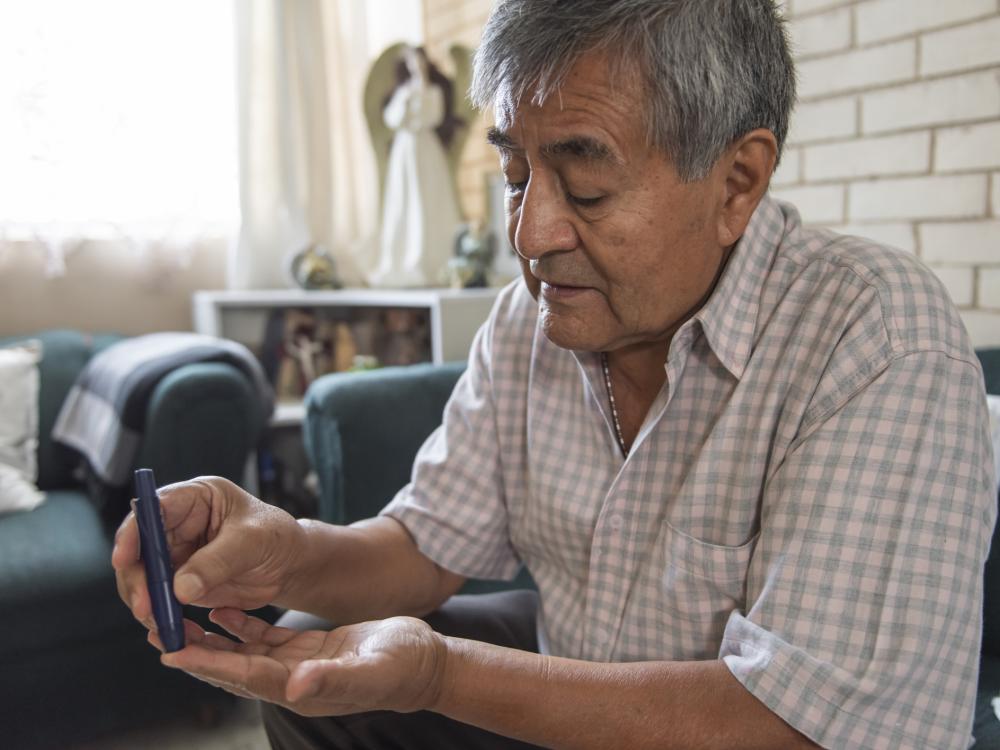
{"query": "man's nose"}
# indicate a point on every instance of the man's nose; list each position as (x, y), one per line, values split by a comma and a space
(544, 223)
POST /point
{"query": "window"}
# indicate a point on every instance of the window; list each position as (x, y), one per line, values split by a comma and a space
(118, 120)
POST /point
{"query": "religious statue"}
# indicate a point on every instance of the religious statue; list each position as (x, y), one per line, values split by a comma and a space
(420, 210)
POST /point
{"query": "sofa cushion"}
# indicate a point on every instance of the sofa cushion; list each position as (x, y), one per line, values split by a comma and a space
(56, 580)
(64, 353)
(19, 426)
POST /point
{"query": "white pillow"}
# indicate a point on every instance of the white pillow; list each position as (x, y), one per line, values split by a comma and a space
(993, 402)
(19, 426)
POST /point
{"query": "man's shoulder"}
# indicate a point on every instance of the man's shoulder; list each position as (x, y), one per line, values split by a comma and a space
(879, 283)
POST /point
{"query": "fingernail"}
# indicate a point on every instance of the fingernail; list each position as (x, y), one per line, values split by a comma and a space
(188, 587)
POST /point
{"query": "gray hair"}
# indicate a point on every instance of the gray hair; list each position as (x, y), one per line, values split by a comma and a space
(709, 70)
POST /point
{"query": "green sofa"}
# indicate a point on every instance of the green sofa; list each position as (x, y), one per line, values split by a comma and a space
(73, 663)
(362, 431)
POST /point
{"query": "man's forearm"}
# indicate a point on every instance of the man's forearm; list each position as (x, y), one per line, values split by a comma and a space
(366, 571)
(567, 703)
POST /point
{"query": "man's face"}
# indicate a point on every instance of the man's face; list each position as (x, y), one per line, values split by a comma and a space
(614, 246)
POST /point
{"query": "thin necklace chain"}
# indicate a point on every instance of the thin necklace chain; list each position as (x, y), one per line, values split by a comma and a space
(614, 409)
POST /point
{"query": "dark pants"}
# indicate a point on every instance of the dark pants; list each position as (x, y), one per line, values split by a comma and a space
(506, 619)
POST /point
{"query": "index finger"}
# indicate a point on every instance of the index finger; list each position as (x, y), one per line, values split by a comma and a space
(126, 549)
(186, 509)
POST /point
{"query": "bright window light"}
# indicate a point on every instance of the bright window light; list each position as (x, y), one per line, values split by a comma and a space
(118, 117)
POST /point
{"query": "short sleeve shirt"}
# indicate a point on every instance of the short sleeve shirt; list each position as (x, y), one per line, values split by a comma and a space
(809, 498)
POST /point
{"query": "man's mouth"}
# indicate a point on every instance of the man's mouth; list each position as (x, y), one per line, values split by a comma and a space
(553, 290)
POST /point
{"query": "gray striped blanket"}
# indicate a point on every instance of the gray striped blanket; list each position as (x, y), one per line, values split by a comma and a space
(103, 416)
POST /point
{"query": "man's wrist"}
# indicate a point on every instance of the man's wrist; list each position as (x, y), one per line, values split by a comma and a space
(448, 662)
(296, 566)
(439, 692)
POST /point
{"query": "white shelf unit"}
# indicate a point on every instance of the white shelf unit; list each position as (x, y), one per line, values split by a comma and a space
(455, 316)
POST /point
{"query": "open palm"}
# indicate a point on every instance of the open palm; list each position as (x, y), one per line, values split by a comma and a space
(395, 664)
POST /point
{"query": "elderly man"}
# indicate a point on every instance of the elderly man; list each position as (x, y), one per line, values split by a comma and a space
(745, 462)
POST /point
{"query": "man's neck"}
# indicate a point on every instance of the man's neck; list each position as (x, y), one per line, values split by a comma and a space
(636, 375)
(638, 371)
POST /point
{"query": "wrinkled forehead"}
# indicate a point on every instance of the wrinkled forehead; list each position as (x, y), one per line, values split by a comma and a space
(620, 75)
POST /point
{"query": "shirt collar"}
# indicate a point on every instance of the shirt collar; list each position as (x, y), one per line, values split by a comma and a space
(729, 317)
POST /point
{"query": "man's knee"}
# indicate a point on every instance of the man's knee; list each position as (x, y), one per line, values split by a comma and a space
(287, 730)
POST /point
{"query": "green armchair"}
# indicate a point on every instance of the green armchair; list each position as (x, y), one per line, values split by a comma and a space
(987, 725)
(362, 431)
(73, 663)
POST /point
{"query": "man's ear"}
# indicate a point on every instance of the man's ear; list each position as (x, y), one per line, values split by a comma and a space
(746, 169)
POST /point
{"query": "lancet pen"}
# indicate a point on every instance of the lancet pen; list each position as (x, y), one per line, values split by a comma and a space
(156, 558)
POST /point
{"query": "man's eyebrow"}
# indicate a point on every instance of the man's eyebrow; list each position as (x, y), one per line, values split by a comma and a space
(500, 139)
(581, 147)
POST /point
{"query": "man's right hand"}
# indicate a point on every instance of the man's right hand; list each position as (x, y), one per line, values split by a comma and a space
(228, 548)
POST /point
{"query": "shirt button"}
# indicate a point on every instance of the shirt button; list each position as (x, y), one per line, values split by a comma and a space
(616, 522)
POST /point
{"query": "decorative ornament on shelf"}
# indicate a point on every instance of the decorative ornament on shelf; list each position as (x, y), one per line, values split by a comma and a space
(314, 268)
(475, 246)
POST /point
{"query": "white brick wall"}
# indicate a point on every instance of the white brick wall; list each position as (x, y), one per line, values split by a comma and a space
(789, 171)
(971, 147)
(822, 203)
(887, 63)
(970, 46)
(895, 234)
(989, 288)
(937, 197)
(972, 242)
(909, 153)
(826, 118)
(897, 135)
(961, 98)
(823, 32)
(886, 19)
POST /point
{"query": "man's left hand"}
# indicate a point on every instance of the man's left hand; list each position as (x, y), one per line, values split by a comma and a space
(395, 664)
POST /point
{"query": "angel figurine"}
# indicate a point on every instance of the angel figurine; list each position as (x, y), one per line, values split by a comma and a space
(419, 204)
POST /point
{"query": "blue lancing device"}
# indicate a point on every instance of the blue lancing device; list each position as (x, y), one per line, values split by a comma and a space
(156, 558)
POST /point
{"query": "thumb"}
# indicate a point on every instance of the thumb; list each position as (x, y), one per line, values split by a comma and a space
(306, 680)
(341, 680)
(215, 564)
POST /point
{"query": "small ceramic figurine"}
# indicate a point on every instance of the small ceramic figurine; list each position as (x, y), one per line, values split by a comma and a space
(314, 268)
(475, 247)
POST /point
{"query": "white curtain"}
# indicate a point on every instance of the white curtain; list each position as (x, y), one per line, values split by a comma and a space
(307, 174)
(109, 136)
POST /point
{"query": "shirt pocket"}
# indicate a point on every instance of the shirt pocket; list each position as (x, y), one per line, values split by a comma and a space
(701, 585)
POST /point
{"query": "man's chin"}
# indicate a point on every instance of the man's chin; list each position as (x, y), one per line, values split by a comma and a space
(571, 335)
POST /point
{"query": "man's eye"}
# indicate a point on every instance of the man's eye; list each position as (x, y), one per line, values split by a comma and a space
(585, 202)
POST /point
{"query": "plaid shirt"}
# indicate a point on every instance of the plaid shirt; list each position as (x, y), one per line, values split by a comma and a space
(809, 498)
